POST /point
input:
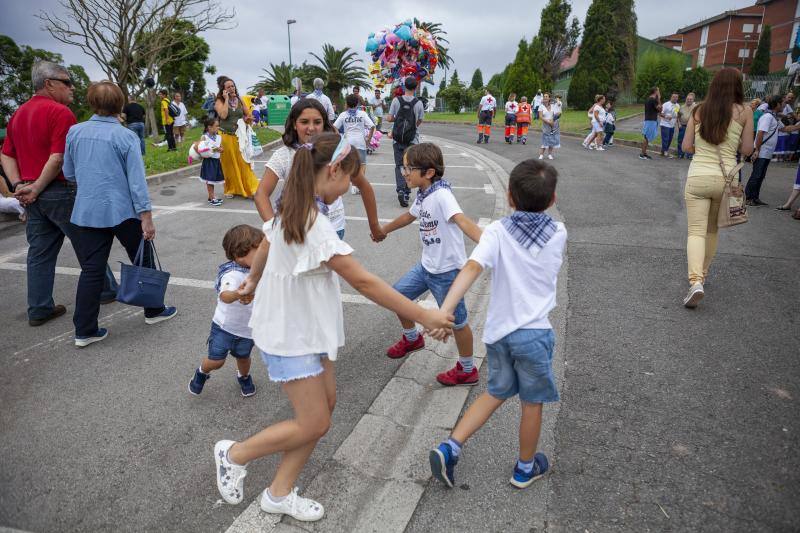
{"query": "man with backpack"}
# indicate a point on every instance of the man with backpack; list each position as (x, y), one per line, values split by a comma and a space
(168, 113)
(406, 112)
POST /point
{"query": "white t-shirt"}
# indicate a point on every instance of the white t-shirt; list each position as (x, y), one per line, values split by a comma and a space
(377, 105)
(768, 124)
(537, 100)
(297, 308)
(524, 281)
(512, 108)
(281, 163)
(207, 145)
(183, 116)
(442, 240)
(323, 99)
(556, 107)
(787, 110)
(355, 126)
(233, 318)
(601, 114)
(668, 109)
(488, 103)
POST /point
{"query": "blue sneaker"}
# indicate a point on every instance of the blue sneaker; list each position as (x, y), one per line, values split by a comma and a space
(522, 479)
(101, 334)
(442, 464)
(199, 379)
(248, 388)
(166, 314)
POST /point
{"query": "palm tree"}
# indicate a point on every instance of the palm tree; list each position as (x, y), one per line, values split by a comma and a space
(278, 79)
(435, 29)
(340, 69)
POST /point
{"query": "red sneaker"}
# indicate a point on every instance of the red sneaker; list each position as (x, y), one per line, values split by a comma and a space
(403, 347)
(457, 376)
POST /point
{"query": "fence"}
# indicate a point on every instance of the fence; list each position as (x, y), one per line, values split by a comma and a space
(765, 86)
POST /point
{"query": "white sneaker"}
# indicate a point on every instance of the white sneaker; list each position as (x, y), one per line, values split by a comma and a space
(354, 190)
(549, 156)
(585, 145)
(696, 294)
(230, 477)
(541, 156)
(299, 508)
(600, 149)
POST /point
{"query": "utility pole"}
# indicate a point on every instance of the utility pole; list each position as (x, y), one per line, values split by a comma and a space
(289, 34)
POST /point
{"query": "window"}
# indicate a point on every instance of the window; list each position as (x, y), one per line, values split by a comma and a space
(701, 53)
(744, 52)
(759, 29)
(677, 47)
(747, 28)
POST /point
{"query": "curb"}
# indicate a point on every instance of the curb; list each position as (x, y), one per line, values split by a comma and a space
(378, 474)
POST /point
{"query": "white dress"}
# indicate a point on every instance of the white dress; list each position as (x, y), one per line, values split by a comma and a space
(297, 308)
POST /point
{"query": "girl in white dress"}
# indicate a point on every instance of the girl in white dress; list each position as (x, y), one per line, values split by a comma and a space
(297, 321)
(597, 115)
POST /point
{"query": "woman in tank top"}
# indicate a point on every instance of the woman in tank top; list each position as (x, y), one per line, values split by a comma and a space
(718, 128)
(239, 177)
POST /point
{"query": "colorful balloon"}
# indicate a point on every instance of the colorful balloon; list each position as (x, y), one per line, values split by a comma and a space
(400, 51)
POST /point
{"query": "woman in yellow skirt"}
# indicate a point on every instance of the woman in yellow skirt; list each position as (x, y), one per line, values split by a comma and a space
(239, 177)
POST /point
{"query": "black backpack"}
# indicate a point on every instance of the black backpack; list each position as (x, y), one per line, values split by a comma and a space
(405, 122)
(173, 110)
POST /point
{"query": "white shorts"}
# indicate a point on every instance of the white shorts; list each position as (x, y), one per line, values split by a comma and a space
(597, 127)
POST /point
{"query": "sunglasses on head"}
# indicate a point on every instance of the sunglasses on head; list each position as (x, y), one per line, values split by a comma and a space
(67, 82)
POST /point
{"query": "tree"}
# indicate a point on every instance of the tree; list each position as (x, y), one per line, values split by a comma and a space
(454, 96)
(624, 43)
(425, 92)
(454, 79)
(443, 83)
(659, 69)
(187, 73)
(340, 68)
(521, 76)
(132, 39)
(556, 39)
(696, 81)
(594, 72)
(477, 79)
(760, 64)
(278, 78)
(16, 86)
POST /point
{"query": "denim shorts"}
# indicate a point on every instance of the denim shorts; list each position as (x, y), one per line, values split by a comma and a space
(418, 280)
(362, 155)
(521, 363)
(289, 368)
(220, 343)
(650, 129)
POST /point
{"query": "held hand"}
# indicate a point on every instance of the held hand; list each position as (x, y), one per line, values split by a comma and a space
(433, 319)
(377, 234)
(148, 229)
(441, 335)
(245, 299)
(27, 194)
(247, 288)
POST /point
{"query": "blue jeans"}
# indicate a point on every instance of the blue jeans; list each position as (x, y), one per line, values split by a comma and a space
(418, 281)
(522, 363)
(681, 134)
(666, 138)
(93, 246)
(400, 181)
(138, 129)
(221, 343)
(753, 188)
(48, 223)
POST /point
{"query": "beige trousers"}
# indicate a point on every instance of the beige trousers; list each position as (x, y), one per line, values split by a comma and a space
(702, 194)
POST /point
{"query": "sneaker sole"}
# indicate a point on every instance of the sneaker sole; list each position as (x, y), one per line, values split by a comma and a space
(193, 392)
(693, 299)
(525, 484)
(157, 319)
(468, 384)
(405, 354)
(83, 343)
(279, 511)
(438, 467)
(248, 395)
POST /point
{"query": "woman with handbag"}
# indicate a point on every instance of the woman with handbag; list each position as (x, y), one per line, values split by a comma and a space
(104, 158)
(239, 177)
(718, 128)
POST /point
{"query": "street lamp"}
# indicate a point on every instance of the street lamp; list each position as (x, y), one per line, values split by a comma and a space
(747, 50)
(289, 33)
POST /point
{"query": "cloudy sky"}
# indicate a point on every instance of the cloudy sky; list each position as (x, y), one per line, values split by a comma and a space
(481, 34)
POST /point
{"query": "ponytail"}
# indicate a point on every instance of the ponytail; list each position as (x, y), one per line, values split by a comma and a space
(298, 207)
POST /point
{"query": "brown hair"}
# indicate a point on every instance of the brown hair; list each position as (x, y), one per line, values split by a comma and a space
(239, 240)
(298, 209)
(426, 156)
(221, 80)
(105, 98)
(290, 137)
(715, 113)
(532, 185)
(598, 97)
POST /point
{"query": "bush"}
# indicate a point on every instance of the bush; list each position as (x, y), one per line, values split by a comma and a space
(582, 90)
(695, 81)
(662, 70)
(454, 97)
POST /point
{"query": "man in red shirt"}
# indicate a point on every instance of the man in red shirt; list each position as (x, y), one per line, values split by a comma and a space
(32, 155)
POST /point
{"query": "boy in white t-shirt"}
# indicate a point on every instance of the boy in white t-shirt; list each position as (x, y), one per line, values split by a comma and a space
(355, 122)
(442, 226)
(230, 330)
(525, 252)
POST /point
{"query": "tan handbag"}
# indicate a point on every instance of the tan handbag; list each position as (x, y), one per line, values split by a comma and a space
(732, 209)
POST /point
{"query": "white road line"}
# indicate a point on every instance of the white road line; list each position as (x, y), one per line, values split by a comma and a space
(173, 280)
(488, 189)
(483, 222)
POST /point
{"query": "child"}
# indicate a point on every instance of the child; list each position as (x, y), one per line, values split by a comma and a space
(597, 116)
(524, 251)
(442, 226)
(230, 330)
(355, 122)
(609, 128)
(210, 147)
(523, 120)
(297, 322)
(512, 108)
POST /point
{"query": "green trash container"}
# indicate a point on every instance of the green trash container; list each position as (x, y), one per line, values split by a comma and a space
(278, 107)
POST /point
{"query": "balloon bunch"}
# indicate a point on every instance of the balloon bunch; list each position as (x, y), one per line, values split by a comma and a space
(403, 51)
